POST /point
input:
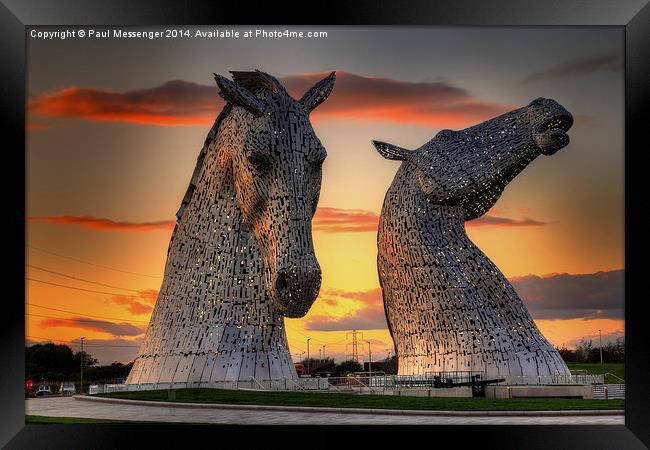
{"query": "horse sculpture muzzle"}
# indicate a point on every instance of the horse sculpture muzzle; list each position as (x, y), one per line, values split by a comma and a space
(296, 286)
(551, 134)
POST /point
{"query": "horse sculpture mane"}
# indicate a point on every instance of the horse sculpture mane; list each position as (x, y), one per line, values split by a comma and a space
(241, 256)
(250, 80)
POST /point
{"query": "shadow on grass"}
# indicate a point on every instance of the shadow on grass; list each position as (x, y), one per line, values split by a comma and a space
(44, 420)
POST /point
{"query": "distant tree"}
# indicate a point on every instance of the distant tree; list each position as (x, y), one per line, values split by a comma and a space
(310, 363)
(618, 351)
(390, 365)
(614, 352)
(52, 362)
(348, 366)
(584, 350)
(319, 365)
(567, 354)
(89, 361)
(109, 373)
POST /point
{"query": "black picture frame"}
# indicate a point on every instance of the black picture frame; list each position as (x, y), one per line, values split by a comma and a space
(634, 16)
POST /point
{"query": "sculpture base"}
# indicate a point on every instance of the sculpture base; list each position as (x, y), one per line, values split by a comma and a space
(211, 367)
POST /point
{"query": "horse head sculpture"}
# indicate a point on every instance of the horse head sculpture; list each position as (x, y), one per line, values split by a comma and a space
(276, 161)
(241, 257)
(448, 306)
(471, 167)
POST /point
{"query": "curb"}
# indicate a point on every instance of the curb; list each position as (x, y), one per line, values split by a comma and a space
(394, 412)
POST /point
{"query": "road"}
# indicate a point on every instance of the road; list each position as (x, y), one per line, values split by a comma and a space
(69, 407)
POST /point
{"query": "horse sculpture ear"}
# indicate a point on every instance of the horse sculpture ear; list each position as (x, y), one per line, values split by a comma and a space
(390, 151)
(319, 92)
(237, 95)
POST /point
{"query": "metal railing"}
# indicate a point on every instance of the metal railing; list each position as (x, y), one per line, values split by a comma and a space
(362, 382)
(614, 376)
(356, 382)
(285, 384)
(573, 379)
(258, 383)
(428, 380)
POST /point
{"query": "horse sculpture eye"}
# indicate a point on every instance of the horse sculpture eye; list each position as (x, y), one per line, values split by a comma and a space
(259, 162)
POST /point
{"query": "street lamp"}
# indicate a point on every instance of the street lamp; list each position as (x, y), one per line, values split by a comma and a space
(308, 372)
(82, 366)
(323, 353)
(600, 334)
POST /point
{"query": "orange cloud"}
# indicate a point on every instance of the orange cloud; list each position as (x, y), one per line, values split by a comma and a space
(175, 102)
(142, 304)
(588, 296)
(490, 221)
(370, 316)
(335, 220)
(102, 326)
(105, 224)
(326, 220)
(558, 298)
(182, 103)
(429, 103)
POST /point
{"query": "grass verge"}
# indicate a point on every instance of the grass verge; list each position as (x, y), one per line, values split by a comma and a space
(31, 419)
(616, 369)
(232, 397)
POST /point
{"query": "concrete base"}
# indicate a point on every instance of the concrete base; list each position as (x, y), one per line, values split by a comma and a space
(462, 391)
(538, 391)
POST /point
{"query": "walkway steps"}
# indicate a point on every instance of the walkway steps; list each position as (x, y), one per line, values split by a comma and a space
(609, 391)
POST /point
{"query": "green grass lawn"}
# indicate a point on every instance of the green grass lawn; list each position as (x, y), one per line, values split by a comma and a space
(616, 369)
(234, 397)
(59, 420)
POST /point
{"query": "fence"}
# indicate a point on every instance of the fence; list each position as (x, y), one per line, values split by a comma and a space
(448, 379)
(362, 382)
(573, 379)
(609, 391)
(286, 384)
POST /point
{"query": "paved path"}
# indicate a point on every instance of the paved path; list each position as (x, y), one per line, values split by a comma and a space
(69, 407)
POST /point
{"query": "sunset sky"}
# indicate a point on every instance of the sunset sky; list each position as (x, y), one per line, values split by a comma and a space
(115, 126)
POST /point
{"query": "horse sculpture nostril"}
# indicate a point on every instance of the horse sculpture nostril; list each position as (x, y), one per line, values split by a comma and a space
(281, 283)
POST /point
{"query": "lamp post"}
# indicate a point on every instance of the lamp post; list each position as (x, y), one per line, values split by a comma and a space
(369, 359)
(308, 372)
(323, 353)
(81, 389)
(600, 334)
